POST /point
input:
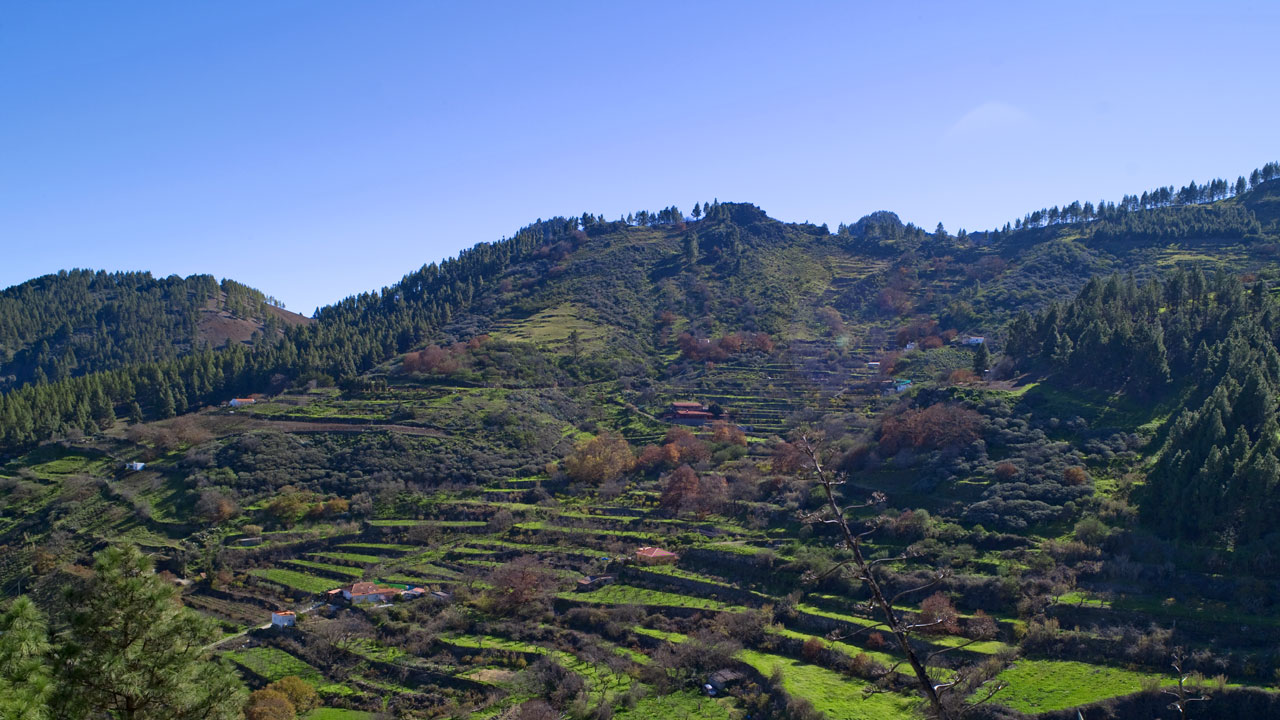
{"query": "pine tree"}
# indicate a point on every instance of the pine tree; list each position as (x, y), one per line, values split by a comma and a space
(981, 360)
(133, 652)
(25, 683)
(691, 248)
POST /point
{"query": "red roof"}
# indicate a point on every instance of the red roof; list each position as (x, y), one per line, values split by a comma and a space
(653, 552)
(368, 588)
(285, 612)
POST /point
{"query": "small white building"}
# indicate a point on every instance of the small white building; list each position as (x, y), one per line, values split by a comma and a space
(283, 618)
(974, 340)
(136, 466)
(240, 402)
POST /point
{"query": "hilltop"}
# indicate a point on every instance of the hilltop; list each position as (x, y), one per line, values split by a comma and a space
(80, 321)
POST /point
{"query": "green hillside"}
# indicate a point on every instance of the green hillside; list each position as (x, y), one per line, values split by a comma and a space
(1065, 427)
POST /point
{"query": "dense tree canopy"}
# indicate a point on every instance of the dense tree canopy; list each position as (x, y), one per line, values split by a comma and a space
(1207, 339)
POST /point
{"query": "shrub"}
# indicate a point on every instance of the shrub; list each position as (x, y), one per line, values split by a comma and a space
(812, 649)
(299, 691)
(1091, 531)
(268, 704)
(1075, 476)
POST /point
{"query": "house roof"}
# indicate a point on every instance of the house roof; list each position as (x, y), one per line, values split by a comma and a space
(284, 612)
(653, 552)
(369, 588)
(726, 676)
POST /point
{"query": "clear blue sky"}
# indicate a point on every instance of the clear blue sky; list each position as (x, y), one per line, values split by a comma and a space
(318, 149)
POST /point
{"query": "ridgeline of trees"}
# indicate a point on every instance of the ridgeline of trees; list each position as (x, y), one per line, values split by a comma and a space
(348, 338)
(1208, 338)
(1163, 197)
(80, 321)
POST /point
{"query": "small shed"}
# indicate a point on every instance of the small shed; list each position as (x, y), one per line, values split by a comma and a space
(283, 618)
(587, 583)
(722, 680)
(136, 466)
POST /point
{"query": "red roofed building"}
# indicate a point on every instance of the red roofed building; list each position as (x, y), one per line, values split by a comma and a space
(655, 556)
(363, 592)
(693, 413)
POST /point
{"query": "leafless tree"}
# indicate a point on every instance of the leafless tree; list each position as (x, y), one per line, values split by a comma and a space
(1181, 698)
(940, 694)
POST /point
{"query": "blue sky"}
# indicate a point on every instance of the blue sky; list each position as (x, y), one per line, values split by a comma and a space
(319, 149)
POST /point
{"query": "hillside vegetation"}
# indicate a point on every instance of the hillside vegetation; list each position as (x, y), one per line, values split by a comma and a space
(1056, 444)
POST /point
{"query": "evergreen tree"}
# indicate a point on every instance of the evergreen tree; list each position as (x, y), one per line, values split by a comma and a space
(25, 683)
(133, 652)
(691, 248)
(981, 359)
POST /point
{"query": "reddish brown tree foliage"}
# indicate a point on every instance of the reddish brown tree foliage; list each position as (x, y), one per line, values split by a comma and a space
(939, 615)
(680, 489)
(719, 349)
(787, 458)
(1075, 476)
(1006, 471)
(722, 433)
(937, 426)
(685, 446)
(686, 492)
(439, 360)
(520, 586)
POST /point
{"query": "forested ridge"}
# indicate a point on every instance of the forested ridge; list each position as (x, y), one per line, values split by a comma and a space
(77, 322)
(1208, 341)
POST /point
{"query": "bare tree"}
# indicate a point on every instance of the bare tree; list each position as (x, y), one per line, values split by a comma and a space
(939, 693)
(1181, 698)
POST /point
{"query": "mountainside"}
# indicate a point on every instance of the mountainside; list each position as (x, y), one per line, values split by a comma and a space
(80, 321)
(1054, 446)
